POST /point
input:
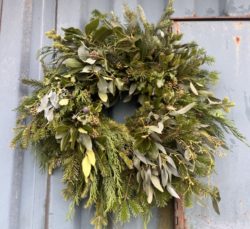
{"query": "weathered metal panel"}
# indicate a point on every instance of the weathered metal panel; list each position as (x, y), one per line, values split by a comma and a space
(30, 199)
(229, 43)
(211, 8)
(13, 61)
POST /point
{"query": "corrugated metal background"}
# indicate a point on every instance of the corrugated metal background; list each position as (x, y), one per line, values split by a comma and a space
(30, 199)
(211, 8)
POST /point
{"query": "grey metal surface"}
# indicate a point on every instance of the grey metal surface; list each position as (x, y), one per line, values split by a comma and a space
(29, 199)
(211, 8)
(229, 43)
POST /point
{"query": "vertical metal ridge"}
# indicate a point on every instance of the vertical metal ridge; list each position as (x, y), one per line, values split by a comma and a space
(1, 13)
(56, 15)
(17, 172)
(47, 202)
(48, 182)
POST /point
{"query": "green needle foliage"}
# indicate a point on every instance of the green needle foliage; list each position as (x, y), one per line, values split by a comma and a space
(161, 152)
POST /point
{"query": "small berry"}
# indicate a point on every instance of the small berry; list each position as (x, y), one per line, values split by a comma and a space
(85, 110)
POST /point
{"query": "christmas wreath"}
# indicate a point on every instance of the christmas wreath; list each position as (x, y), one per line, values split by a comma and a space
(161, 151)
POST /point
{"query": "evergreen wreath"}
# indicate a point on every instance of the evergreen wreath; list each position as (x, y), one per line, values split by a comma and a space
(162, 150)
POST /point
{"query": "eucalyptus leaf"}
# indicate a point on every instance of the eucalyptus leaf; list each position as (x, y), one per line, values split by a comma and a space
(102, 85)
(132, 89)
(156, 182)
(183, 110)
(87, 142)
(83, 52)
(72, 63)
(103, 96)
(87, 69)
(216, 206)
(172, 191)
(193, 89)
(90, 61)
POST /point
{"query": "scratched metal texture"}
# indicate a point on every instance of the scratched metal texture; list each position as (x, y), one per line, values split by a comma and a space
(29, 199)
(212, 8)
(229, 43)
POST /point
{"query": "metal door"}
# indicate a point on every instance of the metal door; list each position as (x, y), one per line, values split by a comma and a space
(30, 199)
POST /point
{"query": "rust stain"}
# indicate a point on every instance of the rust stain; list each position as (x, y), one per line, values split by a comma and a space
(47, 202)
(237, 40)
(238, 25)
(180, 220)
(177, 27)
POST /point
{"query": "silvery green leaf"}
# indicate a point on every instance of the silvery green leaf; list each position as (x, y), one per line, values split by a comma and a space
(142, 174)
(216, 206)
(148, 176)
(54, 99)
(206, 93)
(156, 182)
(72, 63)
(155, 136)
(164, 177)
(97, 69)
(143, 158)
(87, 142)
(187, 155)
(160, 147)
(136, 163)
(155, 172)
(193, 89)
(171, 161)
(119, 83)
(83, 52)
(149, 193)
(111, 87)
(142, 14)
(157, 129)
(48, 113)
(167, 172)
(214, 102)
(132, 88)
(138, 177)
(159, 161)
(160, 33)
(90, 61)
(43, 104)
(103, 96)
(172, 191)
(87, 69)
(183, 110)
(173, 171)
(102, 85)
(60, 135)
